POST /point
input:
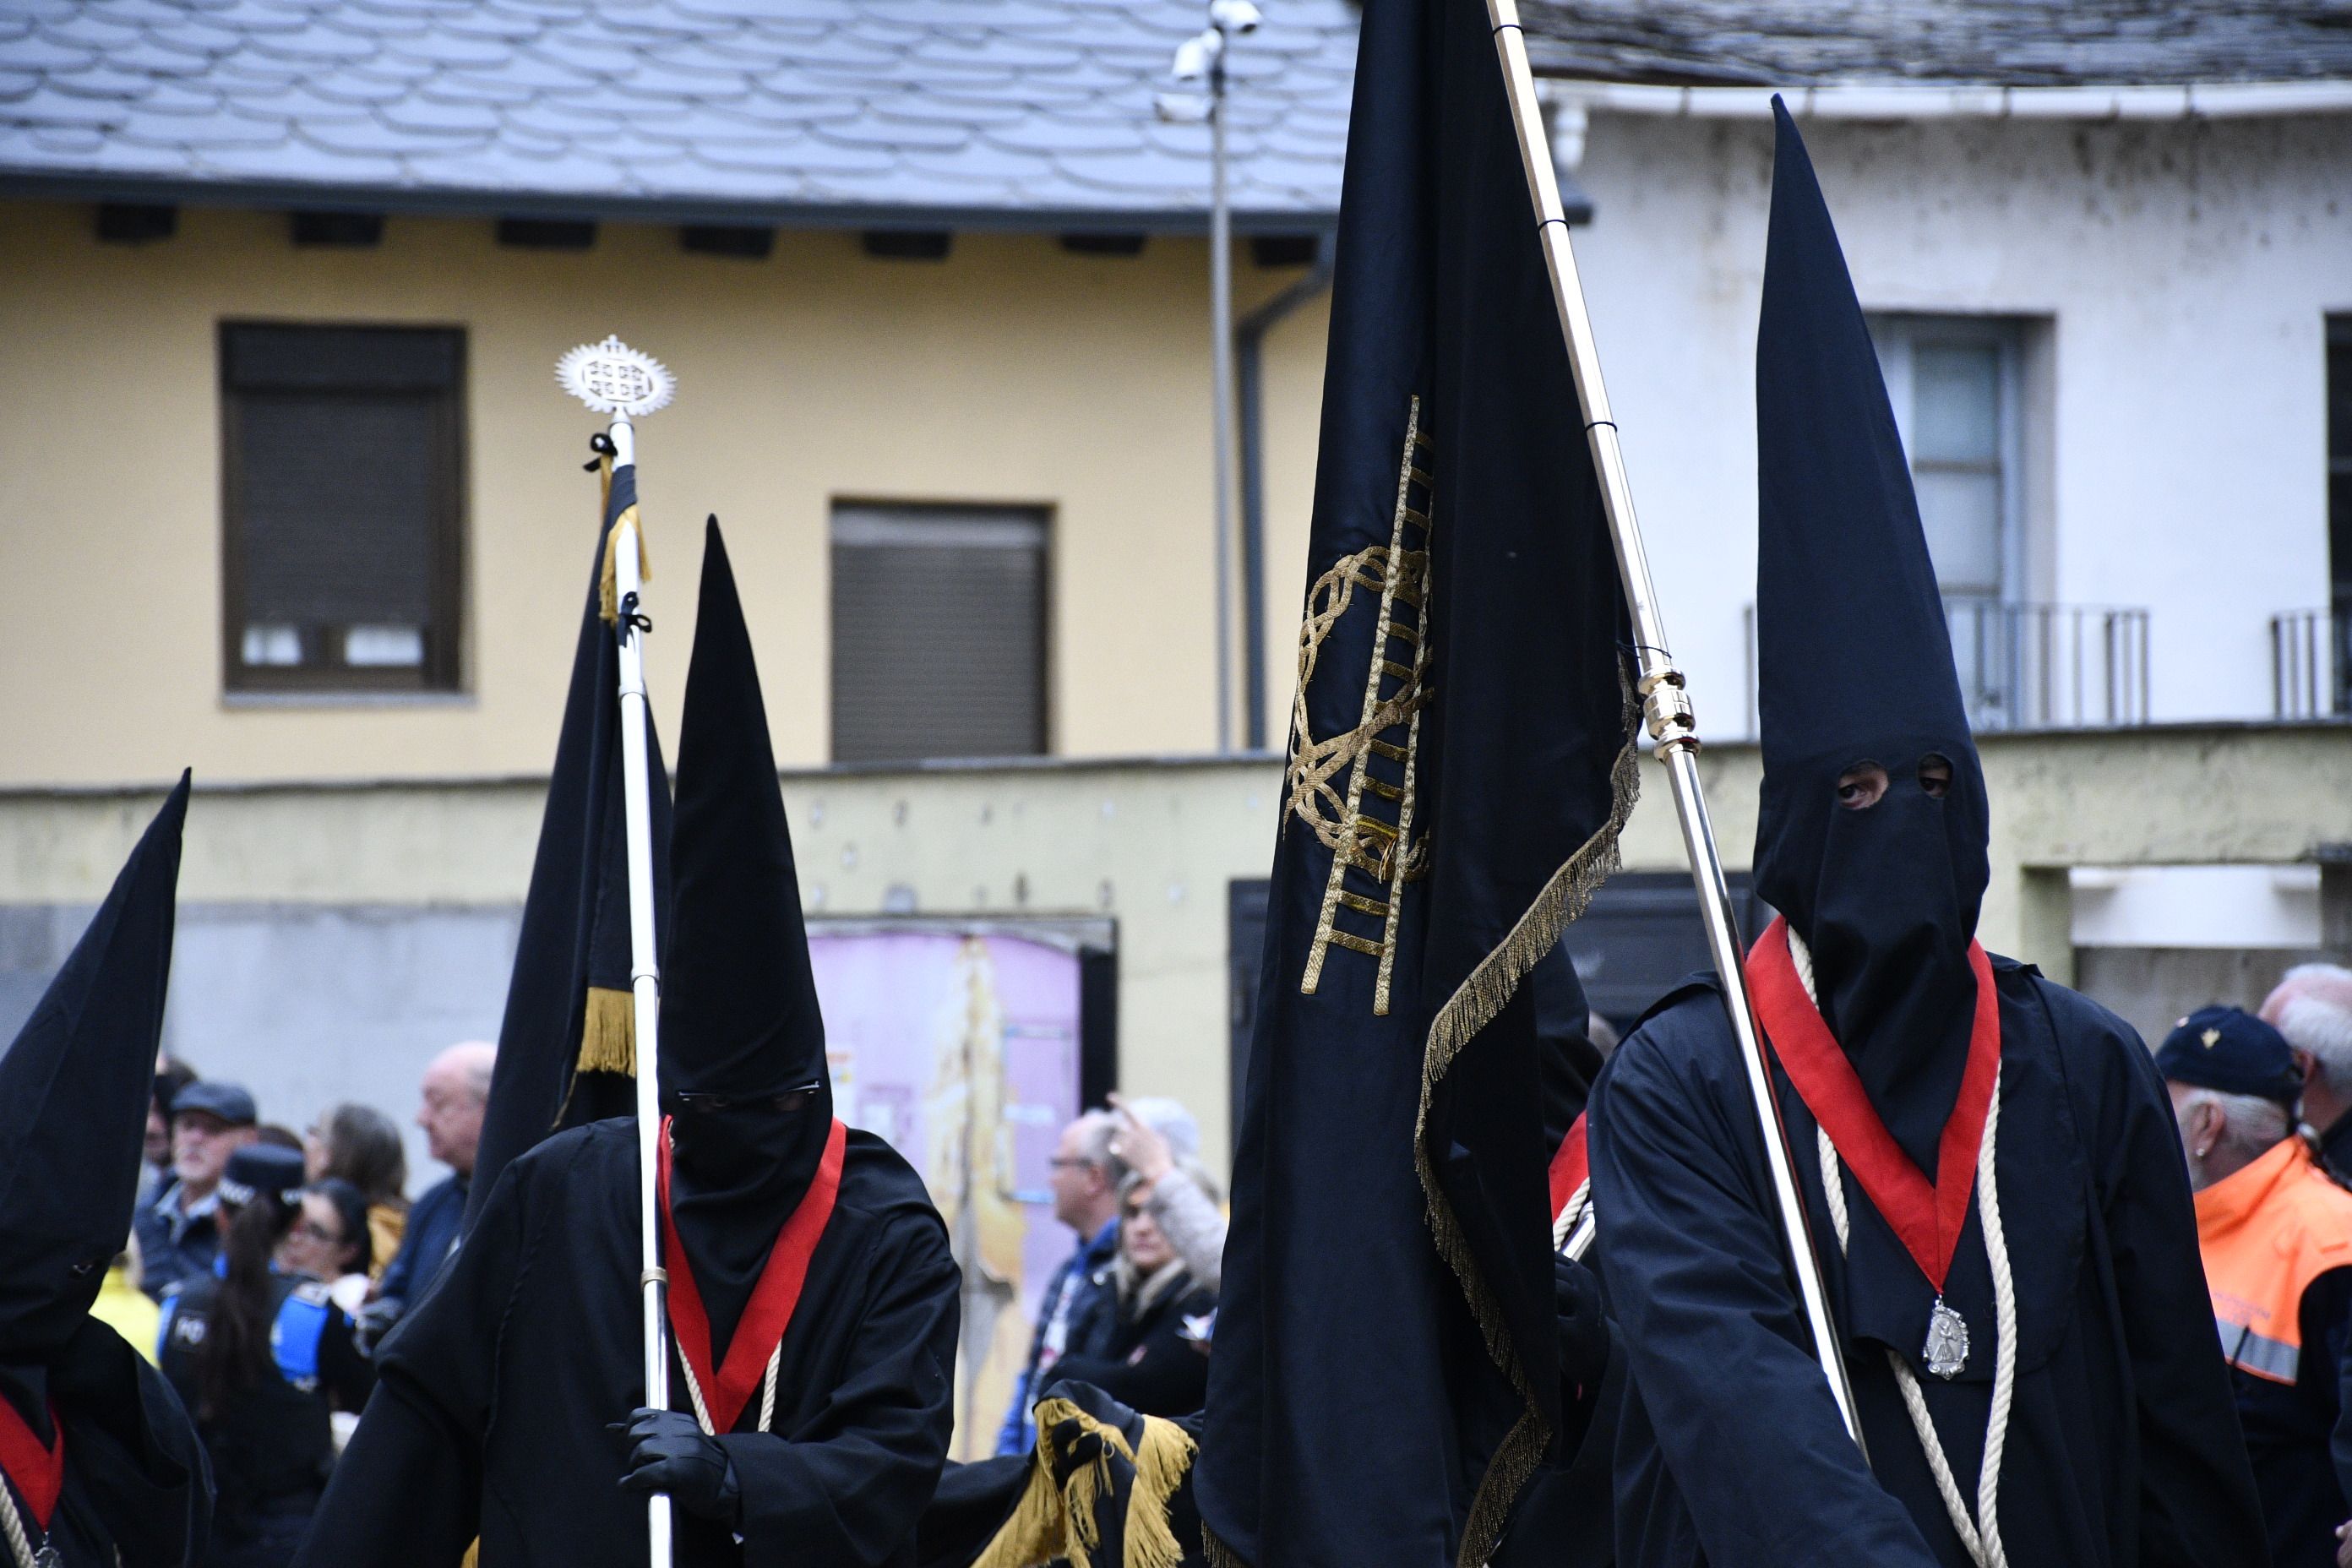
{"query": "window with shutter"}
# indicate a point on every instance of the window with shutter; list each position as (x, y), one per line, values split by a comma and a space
(342, 533)
(938, 632)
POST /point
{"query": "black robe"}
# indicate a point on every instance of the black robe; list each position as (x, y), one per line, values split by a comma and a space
(2122, 1446)
(136, 1481)
(494, 1394)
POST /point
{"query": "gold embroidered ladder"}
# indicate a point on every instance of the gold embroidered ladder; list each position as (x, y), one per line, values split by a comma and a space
(1369, 827)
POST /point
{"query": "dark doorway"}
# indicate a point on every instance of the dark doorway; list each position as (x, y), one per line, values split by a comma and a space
(1640, 937)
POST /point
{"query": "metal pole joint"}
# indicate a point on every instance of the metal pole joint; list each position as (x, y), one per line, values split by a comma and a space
(1666, 707)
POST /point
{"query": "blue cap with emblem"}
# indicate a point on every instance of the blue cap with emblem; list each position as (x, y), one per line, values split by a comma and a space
(2231, 1050)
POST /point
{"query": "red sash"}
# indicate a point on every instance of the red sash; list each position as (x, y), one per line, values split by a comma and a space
(1926, 1219)
(1570, 1166)
(726, 1390)
(39, 1470)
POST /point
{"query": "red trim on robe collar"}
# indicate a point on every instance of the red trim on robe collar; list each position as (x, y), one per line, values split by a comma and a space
(770, 1311)
(38, 1469)
(1570, 1164)
(1925, 1218)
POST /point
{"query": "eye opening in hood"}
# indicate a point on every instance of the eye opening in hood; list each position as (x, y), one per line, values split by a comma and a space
(1861, 786)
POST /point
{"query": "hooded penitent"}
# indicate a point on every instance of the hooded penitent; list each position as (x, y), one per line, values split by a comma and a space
(1855, 666)
(740, 1026)
(73, 1101)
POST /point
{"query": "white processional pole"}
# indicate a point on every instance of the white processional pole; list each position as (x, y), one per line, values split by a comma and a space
(1665, 703)
(612, 378)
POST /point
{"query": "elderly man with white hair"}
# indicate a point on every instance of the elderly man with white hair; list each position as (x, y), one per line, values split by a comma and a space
(2312, 1006)
(454, 1092)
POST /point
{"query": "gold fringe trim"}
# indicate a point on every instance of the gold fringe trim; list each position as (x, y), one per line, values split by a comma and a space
(1481, 995)
(608, 590)
(608, 1031)
(1220, 1555)
(1051, 1521)
(1162, 1464)
(1032, 1535)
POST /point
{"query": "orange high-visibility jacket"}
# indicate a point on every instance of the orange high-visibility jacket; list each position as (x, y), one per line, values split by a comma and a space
(2266, 1232)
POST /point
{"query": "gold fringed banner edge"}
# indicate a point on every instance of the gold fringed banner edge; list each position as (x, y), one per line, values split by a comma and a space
(608, 1031)
(1220, 1555)
(1162, 1462)
(1481, 995)
(608, 589)
(1053, 1520)
(1032, 1534)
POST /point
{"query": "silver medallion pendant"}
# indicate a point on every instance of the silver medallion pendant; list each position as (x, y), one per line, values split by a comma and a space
(47, 1557)
(1948, 1341)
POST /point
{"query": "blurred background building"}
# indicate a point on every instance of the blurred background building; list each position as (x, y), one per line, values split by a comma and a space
(293, 498)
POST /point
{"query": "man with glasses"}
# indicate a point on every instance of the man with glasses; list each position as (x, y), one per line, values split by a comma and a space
(1085, 1181)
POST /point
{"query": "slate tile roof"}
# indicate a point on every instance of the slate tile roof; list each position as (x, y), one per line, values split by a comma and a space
(2011, 43)
(964, 112)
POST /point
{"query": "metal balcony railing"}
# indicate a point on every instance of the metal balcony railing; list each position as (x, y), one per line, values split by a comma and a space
(2310, 664)
(2036, 667)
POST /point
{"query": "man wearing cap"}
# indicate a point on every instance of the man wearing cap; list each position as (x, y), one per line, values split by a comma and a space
(2276, 1237)
(179, 1232)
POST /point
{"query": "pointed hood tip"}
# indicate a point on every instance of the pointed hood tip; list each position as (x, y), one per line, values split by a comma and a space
(74, 1088)
(738, 985)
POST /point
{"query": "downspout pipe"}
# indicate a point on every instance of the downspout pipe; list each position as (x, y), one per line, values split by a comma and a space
(1249, 334)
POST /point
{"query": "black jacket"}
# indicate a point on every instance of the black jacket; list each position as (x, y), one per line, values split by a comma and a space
(1152, 1356)
(271, 1446)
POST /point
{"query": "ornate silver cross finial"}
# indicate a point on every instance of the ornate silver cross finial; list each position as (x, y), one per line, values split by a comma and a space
(611, 377)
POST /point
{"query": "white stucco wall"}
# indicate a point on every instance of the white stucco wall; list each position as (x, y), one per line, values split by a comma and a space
(2183, 270)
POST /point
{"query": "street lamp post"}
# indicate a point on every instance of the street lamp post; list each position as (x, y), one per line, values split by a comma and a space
(1201, 59)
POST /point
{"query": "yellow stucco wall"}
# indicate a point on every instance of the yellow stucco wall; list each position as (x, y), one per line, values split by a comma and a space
(1013, 372)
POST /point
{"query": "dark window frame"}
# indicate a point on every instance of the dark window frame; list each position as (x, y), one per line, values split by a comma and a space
(1048, 613)
(442, 671)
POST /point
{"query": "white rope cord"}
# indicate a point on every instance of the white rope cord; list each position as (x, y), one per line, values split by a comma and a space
(1981, 1534)
(1570, 1212)
(20, 1545)
(766, 1394)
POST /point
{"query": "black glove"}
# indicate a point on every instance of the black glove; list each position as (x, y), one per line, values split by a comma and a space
(669, 1452)
(1583, 1327)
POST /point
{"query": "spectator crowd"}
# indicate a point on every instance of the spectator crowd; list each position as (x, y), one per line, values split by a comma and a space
(264, 1263)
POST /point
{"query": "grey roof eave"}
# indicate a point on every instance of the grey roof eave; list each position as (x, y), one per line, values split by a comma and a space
(288, 196)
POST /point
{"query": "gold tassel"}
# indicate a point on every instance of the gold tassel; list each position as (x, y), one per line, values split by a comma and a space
(608, 590)
(1051, 1522)
(608, 1031)
(473, 1557)
(1160, 1465)
(1034, 1534)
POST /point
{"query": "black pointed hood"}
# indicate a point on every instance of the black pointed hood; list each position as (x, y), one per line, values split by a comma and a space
(567, 1042)
(738, 1012)
(74, 1088)
(1855, 665)
(739, 1001)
